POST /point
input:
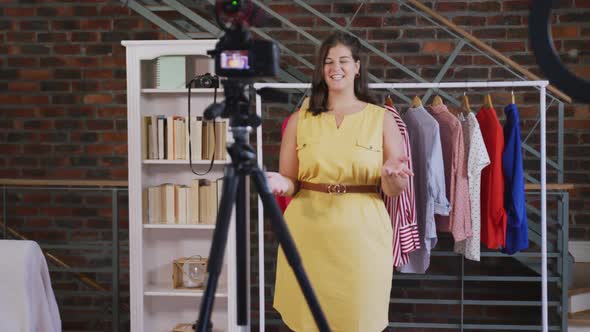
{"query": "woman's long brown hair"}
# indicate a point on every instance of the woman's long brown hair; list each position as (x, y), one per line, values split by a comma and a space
(319, 88)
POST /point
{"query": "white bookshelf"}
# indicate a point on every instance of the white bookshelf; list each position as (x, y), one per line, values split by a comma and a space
(155, 304)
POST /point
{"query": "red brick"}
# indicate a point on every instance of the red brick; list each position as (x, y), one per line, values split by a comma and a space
(575, 17)
(51, 37)
(291, 9)
(69, 24)
(437, 47)
(582, 3)
(495, 33)
(515, 20)
(486, 6)
(20, 37)
(98, 99)
(384, 8)
(65, 173)
(518, 5)
(120, 173)
(35, 74)
(577, 123)
(420, 60)
(19, 11)
(112, 112)
(10, 99)
(38, 223)
(368, 21)
(98, 24)
(348, 8)
(113, 137)
(507, 47)
(99, 124)
(450, 6)
(35, 100)
(23, 86)
(82, 62)
(113, 61)
(113, 85)
(67, 49)
(10, 148)
(469, 20)
(564, 31)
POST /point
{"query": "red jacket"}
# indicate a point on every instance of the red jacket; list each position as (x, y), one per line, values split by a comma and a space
(493, 215)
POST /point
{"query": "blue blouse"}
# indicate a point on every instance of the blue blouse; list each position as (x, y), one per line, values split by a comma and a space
(517, 233)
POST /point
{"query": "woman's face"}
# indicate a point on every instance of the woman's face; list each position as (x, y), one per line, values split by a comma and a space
(340, 68)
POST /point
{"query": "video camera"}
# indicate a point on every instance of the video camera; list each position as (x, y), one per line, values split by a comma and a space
(236, 54)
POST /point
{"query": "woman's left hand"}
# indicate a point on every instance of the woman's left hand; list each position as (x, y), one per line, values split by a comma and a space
(395, 175)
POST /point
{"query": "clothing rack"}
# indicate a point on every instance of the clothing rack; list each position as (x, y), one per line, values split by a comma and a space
(541, 85)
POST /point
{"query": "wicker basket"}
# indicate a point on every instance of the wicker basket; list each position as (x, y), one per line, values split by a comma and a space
(189, 272)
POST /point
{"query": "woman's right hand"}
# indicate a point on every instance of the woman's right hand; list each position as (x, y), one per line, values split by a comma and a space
(278, 184)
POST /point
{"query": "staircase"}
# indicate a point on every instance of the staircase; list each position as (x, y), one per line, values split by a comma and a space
(579, 295)
(186, 19)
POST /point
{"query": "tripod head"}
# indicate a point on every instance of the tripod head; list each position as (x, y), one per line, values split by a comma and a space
(236, 107)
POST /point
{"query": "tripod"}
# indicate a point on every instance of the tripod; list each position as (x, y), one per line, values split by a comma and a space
(243, 163)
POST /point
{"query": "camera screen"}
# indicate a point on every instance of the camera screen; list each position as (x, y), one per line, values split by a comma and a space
(234, 60)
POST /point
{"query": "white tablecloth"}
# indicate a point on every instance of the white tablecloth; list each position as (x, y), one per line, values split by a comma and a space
(27, 302)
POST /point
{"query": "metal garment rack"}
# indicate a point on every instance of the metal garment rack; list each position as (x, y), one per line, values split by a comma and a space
(540, 85)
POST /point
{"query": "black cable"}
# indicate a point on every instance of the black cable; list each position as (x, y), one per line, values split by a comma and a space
(190, 157)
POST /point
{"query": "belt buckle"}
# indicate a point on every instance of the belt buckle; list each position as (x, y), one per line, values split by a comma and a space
(336, 188)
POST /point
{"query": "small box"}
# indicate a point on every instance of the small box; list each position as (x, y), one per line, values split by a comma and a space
(189, 328)
(189, 272)
(183, 328)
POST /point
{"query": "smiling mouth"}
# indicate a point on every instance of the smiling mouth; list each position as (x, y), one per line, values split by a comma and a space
(337, 77)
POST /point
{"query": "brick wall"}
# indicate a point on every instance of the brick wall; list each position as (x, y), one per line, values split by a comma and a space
(63, 102)
(62, 73)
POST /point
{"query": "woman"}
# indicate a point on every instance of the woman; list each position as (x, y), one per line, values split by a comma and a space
(331, 162)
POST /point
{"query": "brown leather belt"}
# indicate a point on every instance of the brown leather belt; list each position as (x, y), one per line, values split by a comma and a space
(339, 188)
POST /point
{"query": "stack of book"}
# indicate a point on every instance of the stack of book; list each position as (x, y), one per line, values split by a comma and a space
(168, 138)
(196, 203)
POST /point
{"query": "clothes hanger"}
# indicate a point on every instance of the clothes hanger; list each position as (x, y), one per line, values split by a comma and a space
(416, 102)
(512, 100)
(389, 101)
(465, 103)
(437, 101)
(487, 101)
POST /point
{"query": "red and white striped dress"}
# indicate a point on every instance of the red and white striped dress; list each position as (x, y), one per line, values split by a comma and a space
(402, 209)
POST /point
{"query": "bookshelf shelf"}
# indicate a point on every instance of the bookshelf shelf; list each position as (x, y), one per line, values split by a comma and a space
(167, 190)
(185, 162)
(185, 91)
(161, 290)
(175, 226)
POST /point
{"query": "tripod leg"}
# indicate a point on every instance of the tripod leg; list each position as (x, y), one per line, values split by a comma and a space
(286, 241)
(230, 186)
(242, 253)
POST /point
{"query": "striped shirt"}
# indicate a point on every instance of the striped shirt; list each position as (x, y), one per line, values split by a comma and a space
(402, 209)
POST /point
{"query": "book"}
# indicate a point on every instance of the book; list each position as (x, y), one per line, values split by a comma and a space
(179, 138)
(161, 133)
(154, 201)
(220, 138)
(170, 72)
(182, 193)
(195, 137)
(168, 204)
(193, 202)
(207, 202)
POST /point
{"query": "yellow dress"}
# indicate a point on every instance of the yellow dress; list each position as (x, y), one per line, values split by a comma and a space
(345, 240)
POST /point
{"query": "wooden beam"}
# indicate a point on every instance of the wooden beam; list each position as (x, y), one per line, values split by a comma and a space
(550, 186)
(63, 183)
